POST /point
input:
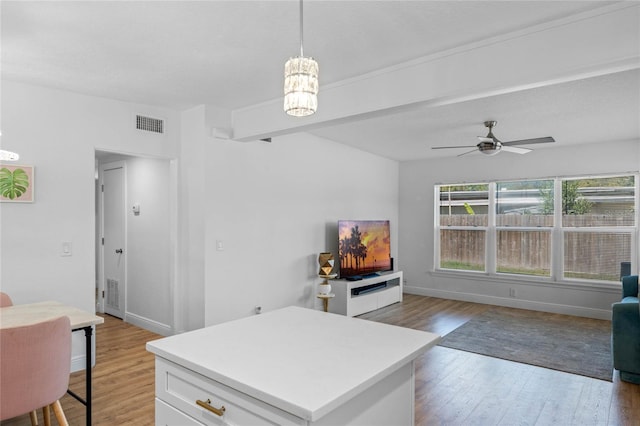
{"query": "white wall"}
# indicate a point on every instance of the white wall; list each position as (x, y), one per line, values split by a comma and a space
(274, 207)
(58, 132)
(189, 300)
(417, 222)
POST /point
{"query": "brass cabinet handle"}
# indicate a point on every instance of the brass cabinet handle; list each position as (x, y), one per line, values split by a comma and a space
(207, 405)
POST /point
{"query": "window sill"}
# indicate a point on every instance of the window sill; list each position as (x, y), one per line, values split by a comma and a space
(537, 281)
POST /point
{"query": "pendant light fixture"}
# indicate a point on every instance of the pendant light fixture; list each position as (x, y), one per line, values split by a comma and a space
(8, 155)
(300, 82)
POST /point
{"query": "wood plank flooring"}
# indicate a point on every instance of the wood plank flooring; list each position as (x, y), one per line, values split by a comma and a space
(452, 387)
(123, 380)
(461, 388)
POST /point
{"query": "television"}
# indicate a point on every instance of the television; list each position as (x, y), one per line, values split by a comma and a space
(364, 248)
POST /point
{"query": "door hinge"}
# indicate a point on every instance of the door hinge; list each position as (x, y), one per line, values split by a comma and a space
(102, 240)
(102, 188)
(103, 294)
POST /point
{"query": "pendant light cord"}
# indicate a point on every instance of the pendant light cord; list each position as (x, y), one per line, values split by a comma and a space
(301, 48)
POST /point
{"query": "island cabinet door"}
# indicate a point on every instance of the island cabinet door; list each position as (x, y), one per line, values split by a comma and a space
(181, 389)
(166, 415)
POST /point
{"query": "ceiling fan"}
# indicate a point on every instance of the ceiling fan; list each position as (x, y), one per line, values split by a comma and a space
(490, 145)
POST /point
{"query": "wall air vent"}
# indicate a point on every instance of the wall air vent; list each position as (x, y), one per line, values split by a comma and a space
(113, 293)
(149, 124)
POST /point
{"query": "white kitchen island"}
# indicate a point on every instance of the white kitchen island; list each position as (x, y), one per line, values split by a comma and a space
(289, 366)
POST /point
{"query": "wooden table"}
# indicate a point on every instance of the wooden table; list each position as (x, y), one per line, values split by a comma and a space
(291, 366)
(19, 315)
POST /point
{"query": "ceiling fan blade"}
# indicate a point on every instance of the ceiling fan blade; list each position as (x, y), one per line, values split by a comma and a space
(547, 139)
(447, 147)
(468, 152)
(516, 150)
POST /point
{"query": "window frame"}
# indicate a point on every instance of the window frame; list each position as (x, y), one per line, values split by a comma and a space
(438, 227)
(557, 235)
(497, 228)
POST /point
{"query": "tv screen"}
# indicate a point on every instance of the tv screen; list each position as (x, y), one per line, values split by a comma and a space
(364, 247)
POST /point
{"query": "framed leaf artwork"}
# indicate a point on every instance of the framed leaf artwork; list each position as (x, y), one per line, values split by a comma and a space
(16, 184)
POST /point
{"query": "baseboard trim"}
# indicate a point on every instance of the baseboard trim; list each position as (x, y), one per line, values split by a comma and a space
(554, 308)
(78, 363)
(78, 349)
(148, 324)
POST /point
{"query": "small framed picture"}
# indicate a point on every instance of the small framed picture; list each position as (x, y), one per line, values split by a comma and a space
(16, 183)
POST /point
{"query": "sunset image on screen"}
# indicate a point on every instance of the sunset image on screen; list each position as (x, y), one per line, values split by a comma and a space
(364, 247)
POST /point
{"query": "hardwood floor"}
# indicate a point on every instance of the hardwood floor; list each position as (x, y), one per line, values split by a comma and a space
(452, 387)
(461, 388)
(123, 380)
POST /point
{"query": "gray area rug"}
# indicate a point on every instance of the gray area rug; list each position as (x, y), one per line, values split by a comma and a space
(560, 342)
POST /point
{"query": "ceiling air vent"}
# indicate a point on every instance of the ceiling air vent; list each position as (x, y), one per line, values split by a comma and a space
(149, 124)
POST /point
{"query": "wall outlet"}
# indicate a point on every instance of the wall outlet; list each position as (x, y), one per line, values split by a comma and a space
(66, 249)
(258, 310)
(512, 292)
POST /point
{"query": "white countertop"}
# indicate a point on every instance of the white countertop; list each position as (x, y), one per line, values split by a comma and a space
(302, 361)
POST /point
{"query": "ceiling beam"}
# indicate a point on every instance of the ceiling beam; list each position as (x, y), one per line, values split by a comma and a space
(598, 42)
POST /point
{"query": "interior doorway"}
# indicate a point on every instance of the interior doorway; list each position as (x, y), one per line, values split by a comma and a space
(136, 229)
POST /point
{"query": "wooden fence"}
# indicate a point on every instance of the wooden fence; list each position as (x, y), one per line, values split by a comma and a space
(585, 253)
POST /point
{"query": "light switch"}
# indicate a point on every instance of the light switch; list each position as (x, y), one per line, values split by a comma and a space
(219, 245)
(66, 249)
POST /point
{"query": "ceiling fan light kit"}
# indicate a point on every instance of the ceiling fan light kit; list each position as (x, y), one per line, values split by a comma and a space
(490, 145)
(489, 148)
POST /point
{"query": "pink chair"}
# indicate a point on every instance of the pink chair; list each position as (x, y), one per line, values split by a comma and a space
(35, 362)
(5, 300)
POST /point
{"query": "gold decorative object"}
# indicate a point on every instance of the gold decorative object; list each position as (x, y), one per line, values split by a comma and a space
(326, 262)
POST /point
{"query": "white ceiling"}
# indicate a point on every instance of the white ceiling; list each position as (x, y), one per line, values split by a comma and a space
(231, 54)
(605, 108)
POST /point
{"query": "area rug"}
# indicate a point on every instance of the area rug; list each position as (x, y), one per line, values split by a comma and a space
(559, 342)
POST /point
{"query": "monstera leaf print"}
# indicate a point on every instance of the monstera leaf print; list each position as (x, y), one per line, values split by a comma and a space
(13, 184)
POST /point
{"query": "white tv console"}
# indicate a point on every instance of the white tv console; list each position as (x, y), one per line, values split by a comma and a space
(349, 304)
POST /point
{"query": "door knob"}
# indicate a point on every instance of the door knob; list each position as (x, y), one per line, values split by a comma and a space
(119, 251)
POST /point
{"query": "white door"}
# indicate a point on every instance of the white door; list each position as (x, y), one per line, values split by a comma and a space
(113, 238)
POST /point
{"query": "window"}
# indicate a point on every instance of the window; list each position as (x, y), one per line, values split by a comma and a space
(524, 220)
(463, 222)
(598, 223)
(562, 229)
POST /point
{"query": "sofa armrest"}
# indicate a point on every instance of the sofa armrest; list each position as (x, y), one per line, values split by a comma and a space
(625, 336)
(630, 286)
